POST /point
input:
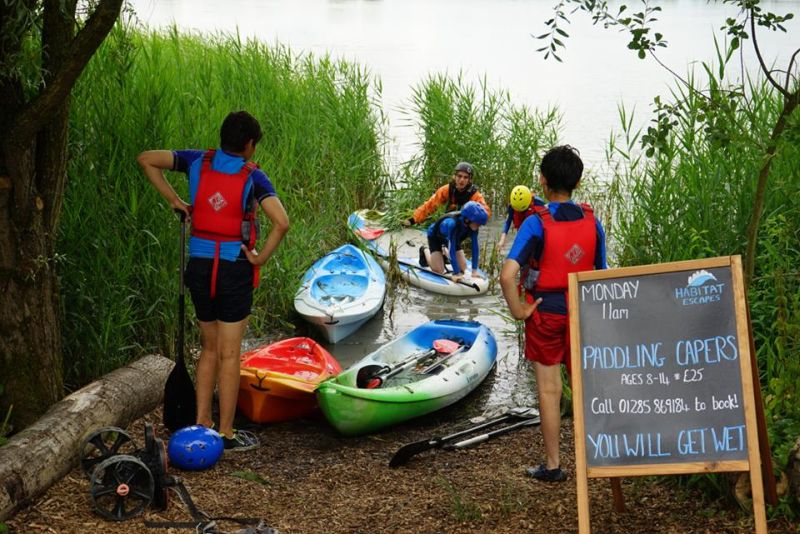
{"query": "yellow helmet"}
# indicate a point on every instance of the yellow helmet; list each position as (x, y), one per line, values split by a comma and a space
(520, 198)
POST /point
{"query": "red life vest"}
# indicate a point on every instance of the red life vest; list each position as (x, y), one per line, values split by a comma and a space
(520, 216)
(218, 212)
(569, 247)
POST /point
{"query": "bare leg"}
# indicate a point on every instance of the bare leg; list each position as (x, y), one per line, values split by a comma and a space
(462, 260)
(206, 372)
(229, 345)
(435, 260)
(548, 384)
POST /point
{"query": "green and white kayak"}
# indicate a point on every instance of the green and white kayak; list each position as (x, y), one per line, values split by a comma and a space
(408, 378)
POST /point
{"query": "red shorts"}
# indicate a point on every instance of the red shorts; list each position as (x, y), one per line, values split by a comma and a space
(547, 338)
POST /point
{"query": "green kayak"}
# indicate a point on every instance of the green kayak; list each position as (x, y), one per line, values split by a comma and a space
(430, 367)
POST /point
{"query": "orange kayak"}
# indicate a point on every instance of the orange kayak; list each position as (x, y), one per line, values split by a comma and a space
(277, 381)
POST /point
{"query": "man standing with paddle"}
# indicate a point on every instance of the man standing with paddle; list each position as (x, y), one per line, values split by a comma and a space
(563, 237)
(224, 189)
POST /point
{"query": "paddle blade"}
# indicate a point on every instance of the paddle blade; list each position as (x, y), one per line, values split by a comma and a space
(180, 408)
(445, 346)
(367, 374)
(369, 233)
(407, 451)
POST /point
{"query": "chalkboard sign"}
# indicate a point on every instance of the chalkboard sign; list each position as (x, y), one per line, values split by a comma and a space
(661, 370)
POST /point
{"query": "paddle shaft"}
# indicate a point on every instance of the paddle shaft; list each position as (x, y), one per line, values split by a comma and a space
(181, 292)
(473, 285)
(440, 363)
(407, 451)
(489, 435)
(379, 378)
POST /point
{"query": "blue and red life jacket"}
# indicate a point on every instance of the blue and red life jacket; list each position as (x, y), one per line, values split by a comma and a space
(219, 213)
(569, 247)
(520, 216)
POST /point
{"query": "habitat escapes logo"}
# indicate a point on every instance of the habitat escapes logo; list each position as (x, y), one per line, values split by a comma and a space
(702, 288)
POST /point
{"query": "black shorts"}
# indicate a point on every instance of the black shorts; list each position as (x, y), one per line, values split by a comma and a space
(234, 298)
(436, 243)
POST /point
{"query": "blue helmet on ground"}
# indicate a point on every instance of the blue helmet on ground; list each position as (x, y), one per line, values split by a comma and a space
(194, 448)
(475, 212)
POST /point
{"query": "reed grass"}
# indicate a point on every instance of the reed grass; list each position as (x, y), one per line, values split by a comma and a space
(692, 197)
(323, 148)
(457, 121)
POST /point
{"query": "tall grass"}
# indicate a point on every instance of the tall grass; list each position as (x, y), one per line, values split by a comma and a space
(457, 121)
(692, 196)
(323, 148)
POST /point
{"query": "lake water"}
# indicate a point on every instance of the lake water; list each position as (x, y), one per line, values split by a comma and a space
(404, 41)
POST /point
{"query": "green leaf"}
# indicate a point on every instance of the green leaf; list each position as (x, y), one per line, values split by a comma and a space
(251, 476)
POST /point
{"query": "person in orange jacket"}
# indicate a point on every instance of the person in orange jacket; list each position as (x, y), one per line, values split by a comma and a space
(454, 195)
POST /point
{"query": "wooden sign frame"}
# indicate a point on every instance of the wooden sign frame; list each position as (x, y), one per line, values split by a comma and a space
(753, 461)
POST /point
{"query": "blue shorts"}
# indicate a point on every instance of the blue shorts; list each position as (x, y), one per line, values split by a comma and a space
(234, 298)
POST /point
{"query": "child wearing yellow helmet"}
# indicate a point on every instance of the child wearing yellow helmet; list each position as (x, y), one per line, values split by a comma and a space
(521, 204)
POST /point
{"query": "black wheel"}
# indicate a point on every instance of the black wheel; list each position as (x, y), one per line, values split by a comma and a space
(149, 436)
(102, 444)
(121, 487)
(158, 467)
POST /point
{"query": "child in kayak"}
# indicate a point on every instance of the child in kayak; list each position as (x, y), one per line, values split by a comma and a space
(454, 195)
(449, 231)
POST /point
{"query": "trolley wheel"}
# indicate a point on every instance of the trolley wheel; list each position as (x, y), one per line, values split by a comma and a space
(102, 444)
(121, 487)
(149, 436)
(159, 470)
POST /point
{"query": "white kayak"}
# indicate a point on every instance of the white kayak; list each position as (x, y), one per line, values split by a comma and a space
(340, 292)
(380, 241)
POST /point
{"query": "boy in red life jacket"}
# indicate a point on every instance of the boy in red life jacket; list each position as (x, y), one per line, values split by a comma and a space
(563, 237)
(224, 190)
(454, 195)
(522, 203)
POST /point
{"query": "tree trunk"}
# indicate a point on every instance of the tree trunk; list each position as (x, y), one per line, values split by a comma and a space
(32, 180)
(30, 352)
(44, 452)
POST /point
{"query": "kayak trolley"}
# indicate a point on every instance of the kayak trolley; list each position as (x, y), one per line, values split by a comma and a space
(124, 479)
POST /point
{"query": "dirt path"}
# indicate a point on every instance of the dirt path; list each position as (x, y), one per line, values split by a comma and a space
(312, 480)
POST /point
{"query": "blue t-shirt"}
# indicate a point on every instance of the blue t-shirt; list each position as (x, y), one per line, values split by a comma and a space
(529, 244)
(258, 187)
(454, 230)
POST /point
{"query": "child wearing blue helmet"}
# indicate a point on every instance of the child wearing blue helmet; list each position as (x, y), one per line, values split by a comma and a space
(449, 231)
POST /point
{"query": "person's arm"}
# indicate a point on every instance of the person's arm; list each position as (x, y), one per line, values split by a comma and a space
(437, 199)
(520, 310)
(475, 253)
(506, 228)
(600, 260)
(154, 163)
(273, 207)
(477, 196)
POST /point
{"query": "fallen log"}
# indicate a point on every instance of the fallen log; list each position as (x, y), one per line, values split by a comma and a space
(37, 457)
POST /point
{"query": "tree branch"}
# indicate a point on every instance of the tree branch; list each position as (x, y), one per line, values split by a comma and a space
(791, 66)
(761, 62)
(31, 118)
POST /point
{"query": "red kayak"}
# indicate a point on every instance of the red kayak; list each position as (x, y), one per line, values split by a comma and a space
(277, 381)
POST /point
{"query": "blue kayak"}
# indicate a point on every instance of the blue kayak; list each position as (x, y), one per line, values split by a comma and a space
(340, 292)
